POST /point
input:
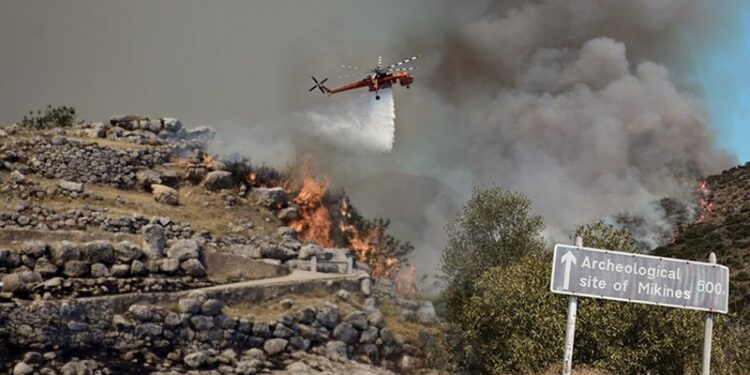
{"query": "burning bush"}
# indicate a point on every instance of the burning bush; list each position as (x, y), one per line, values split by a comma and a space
(330, 220)
(244, 173)
(368, 240)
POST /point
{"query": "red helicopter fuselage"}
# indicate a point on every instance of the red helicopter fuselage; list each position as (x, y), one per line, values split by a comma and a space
(375, 83)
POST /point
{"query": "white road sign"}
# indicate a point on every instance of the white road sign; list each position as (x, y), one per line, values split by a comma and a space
(615, 275)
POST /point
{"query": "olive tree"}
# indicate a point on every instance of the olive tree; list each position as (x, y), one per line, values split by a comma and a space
(494, 228)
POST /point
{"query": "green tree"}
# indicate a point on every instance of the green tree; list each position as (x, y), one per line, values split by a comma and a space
(493, 229)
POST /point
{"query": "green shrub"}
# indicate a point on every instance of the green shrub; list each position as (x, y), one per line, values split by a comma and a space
(51, 118)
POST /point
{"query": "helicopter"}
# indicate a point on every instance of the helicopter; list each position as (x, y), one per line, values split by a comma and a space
(378, 78)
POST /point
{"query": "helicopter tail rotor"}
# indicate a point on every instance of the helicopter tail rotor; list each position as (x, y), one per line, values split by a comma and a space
(319, 85)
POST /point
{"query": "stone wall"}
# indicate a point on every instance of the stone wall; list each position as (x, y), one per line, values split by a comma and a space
(195, 333)
(72, 160)
(68, 269)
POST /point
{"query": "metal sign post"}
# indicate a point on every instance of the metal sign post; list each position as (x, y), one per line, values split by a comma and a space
(570, 329)
(708, 333)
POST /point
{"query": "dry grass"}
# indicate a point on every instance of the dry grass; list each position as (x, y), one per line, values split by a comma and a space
(410, 330)
(269, 310)
(197, 207)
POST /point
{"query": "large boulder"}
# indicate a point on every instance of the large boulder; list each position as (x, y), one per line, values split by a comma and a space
(19, 282)
(154, 125)
(189, 306)
(275, 252)
(141, 311)
(128, 122)
(183, 250)
(336, 349)
(275, 346)
(99, 252)
(211, 307)
(99, 270)
(218, 180)
(346, 333)
(289, 213)
(76, 268)
(328, 317)
(274, 198)
(97, 130)
(22, 368)
(169, 265)
(153, 241)
(9, 258)
(195, 360)
(357, 319)
(44, 267)
(193, 267)
(172, 124)
(73, 187)
(34, 248)
(311, 250)
(65, 251)
(169, 177)
(165, 194)
(126, 252)
(146, 177)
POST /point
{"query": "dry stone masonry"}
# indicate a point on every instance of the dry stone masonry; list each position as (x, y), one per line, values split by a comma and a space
(68, 269)
(196, 335)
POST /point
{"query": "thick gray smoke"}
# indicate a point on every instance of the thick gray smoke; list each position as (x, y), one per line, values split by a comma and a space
(583, 105)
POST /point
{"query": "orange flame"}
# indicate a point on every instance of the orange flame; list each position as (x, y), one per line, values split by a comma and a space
(315, 223)
(706, 207)
(207, 161)
(370, 247)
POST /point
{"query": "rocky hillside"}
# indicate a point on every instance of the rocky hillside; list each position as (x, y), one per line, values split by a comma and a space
(125, 248)
(723, 227)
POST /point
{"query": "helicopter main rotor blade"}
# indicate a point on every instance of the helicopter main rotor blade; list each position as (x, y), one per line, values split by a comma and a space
(404, 69)
(406, 61)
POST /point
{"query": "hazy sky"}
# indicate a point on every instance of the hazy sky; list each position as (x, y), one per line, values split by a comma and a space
(204, 62)
(723, 70)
